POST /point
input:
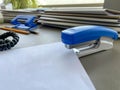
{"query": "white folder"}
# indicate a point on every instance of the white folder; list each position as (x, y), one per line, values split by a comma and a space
(43, 67)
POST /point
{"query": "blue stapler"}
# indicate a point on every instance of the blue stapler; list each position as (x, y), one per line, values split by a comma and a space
(85, 40)
(25, 22)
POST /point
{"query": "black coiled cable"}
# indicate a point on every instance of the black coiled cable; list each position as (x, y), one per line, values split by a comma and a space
(6, 43)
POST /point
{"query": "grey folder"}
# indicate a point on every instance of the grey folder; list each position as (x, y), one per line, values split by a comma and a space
(112, 4)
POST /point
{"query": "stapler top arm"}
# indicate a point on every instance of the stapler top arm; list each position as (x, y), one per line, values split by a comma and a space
(82, 34)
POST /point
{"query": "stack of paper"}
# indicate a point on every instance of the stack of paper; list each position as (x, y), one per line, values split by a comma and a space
(46, 67)
(69, 17)
(10, 14)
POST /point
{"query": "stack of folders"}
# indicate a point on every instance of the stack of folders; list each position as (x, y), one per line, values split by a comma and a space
(69, 17)
(10, 14)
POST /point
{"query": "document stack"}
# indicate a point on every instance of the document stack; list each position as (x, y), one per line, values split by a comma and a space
(10, 14)
(69, 17)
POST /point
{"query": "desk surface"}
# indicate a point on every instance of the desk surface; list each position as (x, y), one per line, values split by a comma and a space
(102, 67)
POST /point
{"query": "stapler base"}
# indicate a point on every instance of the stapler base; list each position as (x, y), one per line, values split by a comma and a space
(103, 44)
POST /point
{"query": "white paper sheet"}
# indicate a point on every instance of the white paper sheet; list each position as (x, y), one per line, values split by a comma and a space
(44, 67)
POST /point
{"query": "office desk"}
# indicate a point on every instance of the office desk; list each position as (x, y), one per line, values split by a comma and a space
(102, 67)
